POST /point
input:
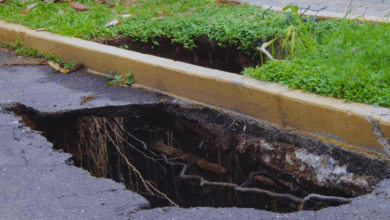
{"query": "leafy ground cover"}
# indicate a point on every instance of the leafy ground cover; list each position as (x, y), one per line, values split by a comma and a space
(342, 59)
(336, 58)
(180, 20)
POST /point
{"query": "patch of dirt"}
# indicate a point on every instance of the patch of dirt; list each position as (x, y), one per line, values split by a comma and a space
(20, 60)
(207, 53)
(4, 49)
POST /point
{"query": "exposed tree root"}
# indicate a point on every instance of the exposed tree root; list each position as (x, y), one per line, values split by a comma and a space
(202, 163)
(236, 187)
(147, 184)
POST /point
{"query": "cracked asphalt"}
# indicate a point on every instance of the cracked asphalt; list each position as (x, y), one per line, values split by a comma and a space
(37, 182)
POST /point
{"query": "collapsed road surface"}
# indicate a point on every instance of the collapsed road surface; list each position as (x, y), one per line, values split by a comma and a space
(39, 182)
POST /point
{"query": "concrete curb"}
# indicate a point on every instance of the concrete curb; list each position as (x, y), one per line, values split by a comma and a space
(358, 127)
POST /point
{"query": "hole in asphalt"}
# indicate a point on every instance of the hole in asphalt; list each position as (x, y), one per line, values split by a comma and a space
(193, 156)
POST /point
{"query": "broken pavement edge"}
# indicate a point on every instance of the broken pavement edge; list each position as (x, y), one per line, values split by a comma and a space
(351, 125)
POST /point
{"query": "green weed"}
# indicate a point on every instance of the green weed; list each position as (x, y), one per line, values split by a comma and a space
(124, 47)
(298, 36)
(119, 79)
(70, 64)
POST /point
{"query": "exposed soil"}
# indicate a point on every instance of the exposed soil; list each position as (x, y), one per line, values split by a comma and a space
(206, 53)
(217, 147)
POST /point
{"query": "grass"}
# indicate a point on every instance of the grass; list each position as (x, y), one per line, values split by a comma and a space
(183, 21)
(337, 58)
(344, 59)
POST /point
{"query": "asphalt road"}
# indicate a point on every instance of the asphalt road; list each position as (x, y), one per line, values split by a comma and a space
(36, 182)
(378, 8)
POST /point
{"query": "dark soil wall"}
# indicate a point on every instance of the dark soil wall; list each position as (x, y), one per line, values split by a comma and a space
(206, 53)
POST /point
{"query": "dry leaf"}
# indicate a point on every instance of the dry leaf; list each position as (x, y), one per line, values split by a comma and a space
(28, 8)
(3, 1)
(230, 2)
(161, 14)
(64, 71)
(129, 2)
(112, 22)
(57, 67)
(102, 1)
(87, 99)
(78, 7)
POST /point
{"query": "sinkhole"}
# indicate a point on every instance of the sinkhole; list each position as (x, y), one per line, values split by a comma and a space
(184, 155)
